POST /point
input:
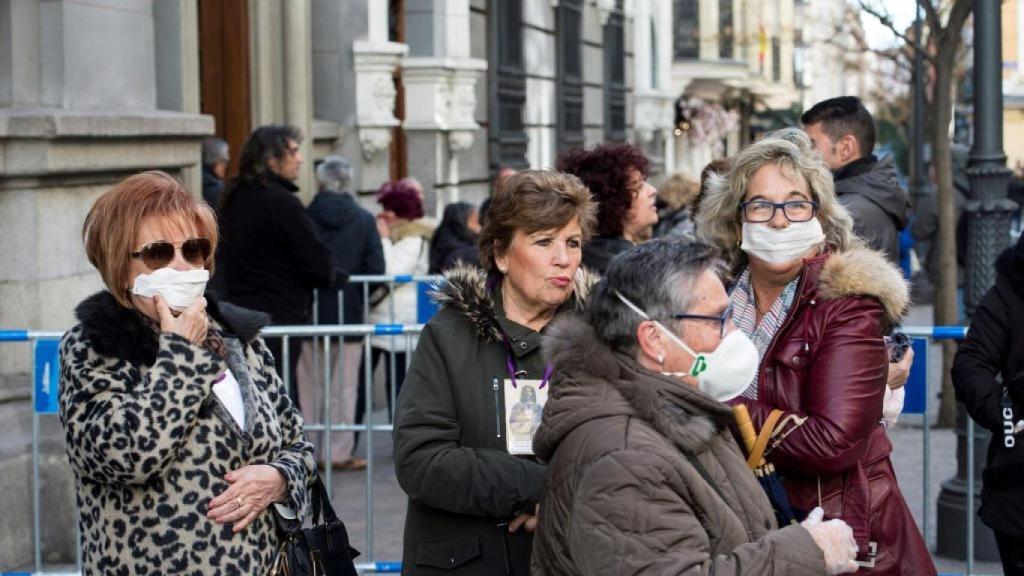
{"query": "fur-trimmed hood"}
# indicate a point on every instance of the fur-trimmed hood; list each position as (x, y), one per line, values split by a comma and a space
(861, 271)
(592, 382)
(124, 333)
(465, 290)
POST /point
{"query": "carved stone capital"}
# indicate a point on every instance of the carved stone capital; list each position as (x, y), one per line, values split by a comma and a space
(459, 141)
(374, 140)
(604, 10)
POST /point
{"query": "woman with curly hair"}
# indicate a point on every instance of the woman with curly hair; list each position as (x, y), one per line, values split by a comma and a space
(616, 175)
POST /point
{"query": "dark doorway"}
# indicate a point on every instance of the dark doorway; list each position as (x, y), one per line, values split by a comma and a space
(224, 71)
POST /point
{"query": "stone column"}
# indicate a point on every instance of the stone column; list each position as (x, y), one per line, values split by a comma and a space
(653, 109)
(82, 97)
(298, 84)
(440, 96)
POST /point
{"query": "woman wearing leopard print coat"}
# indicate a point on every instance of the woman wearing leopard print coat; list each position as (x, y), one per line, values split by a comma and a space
(179, 432)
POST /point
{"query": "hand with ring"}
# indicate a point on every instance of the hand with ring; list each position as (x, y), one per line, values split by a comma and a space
(252, 490)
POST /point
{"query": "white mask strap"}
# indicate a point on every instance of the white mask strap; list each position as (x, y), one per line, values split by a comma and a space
(699, 365)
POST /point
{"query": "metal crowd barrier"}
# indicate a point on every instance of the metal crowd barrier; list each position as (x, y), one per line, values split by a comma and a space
(425, 309)
(324, 335)
(45, 379)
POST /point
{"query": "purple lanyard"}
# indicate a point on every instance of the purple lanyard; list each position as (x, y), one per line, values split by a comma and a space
(510, 363)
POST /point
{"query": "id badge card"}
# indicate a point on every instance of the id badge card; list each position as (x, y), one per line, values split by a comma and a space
(524, 405)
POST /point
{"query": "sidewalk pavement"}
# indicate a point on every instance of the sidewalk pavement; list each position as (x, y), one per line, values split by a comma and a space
(389, 502)
(908, 449)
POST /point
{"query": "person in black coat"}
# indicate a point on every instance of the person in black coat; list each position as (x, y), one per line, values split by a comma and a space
(350, 233)
(988, 374)
(270, 255)
(215, 166)
(455, 239)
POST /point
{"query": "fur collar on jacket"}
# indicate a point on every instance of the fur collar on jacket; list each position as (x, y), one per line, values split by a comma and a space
(1010, 265)
(124, 333)
(861, 271)
(464, 290)
(593, 382)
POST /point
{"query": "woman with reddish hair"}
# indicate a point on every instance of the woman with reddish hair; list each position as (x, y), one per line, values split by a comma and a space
(616, 175)
(183, 441)
(406, 241)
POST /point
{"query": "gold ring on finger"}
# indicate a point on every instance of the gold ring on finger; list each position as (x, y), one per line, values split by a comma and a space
(239, 501)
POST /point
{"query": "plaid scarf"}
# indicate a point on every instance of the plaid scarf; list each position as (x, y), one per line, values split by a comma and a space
(744, 313)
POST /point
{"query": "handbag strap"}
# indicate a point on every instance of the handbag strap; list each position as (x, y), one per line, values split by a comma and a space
(321, 502)
(757, 453)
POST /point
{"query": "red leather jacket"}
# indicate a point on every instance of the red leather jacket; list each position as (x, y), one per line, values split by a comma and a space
(828, 362)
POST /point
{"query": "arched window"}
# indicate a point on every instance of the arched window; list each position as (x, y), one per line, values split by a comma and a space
(726, 30)
(687, 29)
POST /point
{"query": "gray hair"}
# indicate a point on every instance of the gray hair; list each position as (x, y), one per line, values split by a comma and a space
(215, 150)
(658, 277)
(719, 221)
(335, 173)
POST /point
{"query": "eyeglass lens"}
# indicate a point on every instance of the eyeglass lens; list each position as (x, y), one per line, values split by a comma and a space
(795, 211)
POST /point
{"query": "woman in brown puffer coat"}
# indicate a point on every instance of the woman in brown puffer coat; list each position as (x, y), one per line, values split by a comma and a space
(643, 475)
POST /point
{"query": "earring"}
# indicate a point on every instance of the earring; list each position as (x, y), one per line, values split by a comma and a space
(661, 359)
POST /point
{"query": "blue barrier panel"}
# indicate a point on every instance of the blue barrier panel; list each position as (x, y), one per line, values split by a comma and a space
(425, 305)
(402, 278)
(13, 335)
(46, 375)
(916, 397)
(389, 567)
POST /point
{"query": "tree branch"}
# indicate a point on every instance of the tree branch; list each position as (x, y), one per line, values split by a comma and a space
(931, 15)
(958, 16)
(885, 20)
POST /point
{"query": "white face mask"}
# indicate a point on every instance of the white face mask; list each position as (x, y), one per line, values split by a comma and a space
(778, 246)
(178, 289)
(723, 374)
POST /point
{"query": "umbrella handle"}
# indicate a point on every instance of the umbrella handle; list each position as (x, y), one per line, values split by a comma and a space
(746, 426)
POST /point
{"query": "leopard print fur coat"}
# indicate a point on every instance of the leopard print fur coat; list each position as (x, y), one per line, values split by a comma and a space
(149, 443)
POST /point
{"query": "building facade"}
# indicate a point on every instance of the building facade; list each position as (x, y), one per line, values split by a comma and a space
(446, 91)
(732, 60)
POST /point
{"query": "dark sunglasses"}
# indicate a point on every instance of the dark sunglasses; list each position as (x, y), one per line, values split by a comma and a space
(155, 255)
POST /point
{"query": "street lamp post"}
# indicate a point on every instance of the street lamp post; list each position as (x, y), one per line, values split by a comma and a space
(989, 213)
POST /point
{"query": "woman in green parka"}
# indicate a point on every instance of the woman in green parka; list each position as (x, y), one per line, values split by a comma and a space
(474, 491)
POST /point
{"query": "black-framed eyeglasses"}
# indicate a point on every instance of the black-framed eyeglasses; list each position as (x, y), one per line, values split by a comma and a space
(156, 255)
(757, 211)
(723, 319)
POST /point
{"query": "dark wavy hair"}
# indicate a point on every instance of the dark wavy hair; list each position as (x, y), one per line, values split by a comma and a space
(264, 143)
(605, 170)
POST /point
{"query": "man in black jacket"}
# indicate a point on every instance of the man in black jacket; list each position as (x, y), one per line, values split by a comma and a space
(270, 255)
(843, 131)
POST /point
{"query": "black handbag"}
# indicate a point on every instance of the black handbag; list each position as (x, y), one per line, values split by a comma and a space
(321, 550)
